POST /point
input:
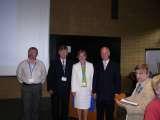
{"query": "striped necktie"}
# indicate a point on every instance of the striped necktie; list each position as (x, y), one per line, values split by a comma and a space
(139, 88)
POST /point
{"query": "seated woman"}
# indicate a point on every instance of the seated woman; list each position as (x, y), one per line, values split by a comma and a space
(152, 111)
(142, 94)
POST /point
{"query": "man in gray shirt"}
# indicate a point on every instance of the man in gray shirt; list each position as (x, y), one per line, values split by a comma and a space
(31, 74)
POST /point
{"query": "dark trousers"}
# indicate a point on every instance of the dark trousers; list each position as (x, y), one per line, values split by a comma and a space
(105, 110)
(60, 107)
(31, 95)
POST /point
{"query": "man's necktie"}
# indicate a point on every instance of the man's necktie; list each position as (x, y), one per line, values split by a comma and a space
(63, 65)
(139, 88)
(104, 65)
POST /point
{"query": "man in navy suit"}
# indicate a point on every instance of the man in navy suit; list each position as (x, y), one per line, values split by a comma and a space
(106, 84)
(59, 83)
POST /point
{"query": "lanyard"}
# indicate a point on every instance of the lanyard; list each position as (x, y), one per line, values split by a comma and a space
(31, 68)
(84, 81)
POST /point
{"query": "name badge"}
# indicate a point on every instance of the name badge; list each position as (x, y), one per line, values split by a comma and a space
(64, 79)
(83, 84)
(31, 80)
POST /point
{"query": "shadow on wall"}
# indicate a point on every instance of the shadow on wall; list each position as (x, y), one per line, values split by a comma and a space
(129, 83)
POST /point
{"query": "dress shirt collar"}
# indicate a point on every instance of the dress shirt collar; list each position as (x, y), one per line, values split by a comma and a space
(142, 83)
(105, 62)
(63, 61)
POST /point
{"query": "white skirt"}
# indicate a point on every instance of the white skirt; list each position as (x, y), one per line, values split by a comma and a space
(82, 99)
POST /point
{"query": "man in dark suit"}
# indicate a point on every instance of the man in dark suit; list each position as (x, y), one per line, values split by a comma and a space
(106, 84)
(59, 83)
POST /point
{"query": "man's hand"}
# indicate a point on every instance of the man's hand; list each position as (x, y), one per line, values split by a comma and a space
(117, 102)
(94, 95)
(74, 93)
(51, 92)
(118, 98)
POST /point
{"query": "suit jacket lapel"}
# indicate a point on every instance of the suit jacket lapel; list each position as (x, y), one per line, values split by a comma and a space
(80, 69)
(60, 64)
(67, 65)
(87, 70)
(108, 65)
(101, 66)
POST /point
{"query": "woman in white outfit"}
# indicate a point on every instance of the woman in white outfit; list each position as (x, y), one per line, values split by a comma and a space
(81, 84)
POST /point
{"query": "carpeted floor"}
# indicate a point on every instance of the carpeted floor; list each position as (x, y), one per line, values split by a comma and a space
(11, 110)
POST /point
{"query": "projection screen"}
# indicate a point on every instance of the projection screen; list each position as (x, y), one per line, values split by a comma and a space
(23, 23)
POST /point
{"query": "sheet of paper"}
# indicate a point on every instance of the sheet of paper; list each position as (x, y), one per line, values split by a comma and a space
(129, 102)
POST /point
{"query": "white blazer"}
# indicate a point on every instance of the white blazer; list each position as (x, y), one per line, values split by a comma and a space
(77, 76)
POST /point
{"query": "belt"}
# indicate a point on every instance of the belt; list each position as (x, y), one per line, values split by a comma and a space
(27, 84)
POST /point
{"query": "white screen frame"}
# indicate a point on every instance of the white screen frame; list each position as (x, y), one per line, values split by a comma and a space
(24, 23)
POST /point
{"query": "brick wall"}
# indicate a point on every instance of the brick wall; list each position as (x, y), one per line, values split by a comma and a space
(138, 26)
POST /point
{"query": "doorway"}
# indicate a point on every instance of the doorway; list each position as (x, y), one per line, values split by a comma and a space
(91, 44)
